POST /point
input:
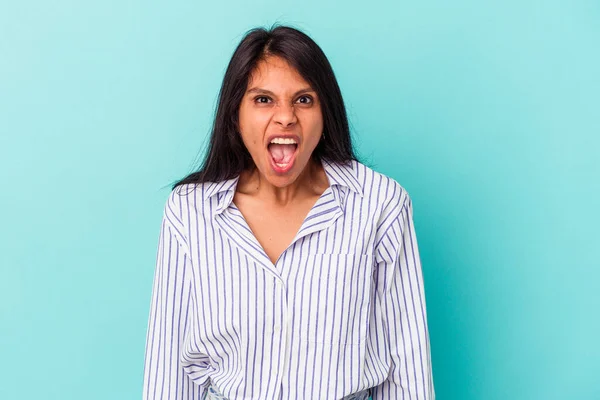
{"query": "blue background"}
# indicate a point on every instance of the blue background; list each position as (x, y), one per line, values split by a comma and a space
(488, 114)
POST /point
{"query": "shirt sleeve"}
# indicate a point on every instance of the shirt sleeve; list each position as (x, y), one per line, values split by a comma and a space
(169, 320)
(404, 316)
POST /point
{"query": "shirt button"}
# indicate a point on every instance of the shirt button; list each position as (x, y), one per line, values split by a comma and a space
(277, 328)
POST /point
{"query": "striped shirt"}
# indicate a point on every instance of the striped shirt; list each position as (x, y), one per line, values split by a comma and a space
(340, 311)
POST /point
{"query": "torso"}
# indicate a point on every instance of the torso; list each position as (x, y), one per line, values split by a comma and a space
(276, 226)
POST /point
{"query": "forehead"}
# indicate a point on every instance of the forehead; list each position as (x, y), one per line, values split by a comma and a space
(275, 73)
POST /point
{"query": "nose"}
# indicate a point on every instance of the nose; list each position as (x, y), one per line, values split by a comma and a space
(285, 115)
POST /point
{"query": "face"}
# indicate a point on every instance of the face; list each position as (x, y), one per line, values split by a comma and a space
(279, 105)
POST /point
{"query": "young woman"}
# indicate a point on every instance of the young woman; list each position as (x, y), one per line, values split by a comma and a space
(286, 269)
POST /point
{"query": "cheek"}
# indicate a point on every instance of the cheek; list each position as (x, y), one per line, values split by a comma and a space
(247, 126)
(315, 129)
(253, 122)
(314, 119)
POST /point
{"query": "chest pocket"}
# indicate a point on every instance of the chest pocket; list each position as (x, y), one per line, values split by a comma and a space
(332, 298)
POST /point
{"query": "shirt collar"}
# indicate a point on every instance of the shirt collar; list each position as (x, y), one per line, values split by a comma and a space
(343, 175)
(338, 174)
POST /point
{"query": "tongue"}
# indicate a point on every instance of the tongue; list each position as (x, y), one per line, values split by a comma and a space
(282, 153)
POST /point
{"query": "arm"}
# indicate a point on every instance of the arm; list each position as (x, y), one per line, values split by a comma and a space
(401, 297)
(170, 319)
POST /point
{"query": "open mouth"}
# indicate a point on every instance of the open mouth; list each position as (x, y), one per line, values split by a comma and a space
(282, 156)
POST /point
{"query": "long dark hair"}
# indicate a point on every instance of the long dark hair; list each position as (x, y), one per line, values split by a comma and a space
(227, 155)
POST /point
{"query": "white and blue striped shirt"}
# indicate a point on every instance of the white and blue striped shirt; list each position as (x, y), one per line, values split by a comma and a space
(342, 309)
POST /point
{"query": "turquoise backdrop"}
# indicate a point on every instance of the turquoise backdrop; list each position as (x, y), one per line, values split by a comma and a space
(488, 113)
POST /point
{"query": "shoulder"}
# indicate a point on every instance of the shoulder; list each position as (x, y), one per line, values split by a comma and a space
(181, 200)
(185, 203)
(186, 209)
(384, 189)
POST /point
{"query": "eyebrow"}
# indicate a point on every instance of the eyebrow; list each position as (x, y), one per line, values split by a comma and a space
(259, 90)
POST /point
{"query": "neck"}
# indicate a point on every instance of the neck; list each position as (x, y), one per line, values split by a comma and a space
(311, 181)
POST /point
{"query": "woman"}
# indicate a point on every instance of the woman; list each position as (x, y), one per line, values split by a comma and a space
(286, 269)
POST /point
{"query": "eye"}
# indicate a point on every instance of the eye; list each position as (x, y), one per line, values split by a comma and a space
(307, 99)
(261, 99)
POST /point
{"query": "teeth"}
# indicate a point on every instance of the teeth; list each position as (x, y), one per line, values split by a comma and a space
(282, 165)
(283, 141)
